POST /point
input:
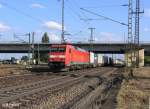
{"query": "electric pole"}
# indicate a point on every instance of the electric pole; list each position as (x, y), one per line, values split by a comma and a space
(137, 31)
(29, 49)
(63, 32)
(130, 36)
(133, 41)
(91, 38)
(38, 54)
(33, 33)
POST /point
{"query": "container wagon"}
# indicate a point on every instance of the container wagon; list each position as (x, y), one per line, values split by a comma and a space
(106, 60)
(100, 60)
(111, 61)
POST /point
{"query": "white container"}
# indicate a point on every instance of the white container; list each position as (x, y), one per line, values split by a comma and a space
(118, 61)
(91, 58)
(100, 59)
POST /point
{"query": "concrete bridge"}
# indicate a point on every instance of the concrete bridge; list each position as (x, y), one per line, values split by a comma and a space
(109, 48)
(117, 48)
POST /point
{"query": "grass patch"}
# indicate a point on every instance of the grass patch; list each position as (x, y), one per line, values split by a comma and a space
(135, 93)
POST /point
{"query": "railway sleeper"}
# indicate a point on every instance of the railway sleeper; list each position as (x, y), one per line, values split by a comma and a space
(88, 100)
(38, 91)
(106, 94)
(54, 90)
(89, 89)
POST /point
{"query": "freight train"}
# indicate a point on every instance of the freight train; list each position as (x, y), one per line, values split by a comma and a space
(68, 57)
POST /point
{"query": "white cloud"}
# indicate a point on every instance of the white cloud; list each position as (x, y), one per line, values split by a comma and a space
(37, 5)
(1, 6)
(4, 27)
(52, 25)
(147, 12)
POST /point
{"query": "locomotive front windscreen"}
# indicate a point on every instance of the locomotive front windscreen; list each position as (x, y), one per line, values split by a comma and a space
(57, 49)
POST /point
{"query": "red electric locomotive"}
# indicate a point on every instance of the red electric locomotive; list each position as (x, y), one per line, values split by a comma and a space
(66, 56)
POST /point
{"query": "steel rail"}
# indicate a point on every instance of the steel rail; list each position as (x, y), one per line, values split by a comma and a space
(29, 85)
(85, 102)
(13, 76)
(30, 92)
(13, 93)
(16, 92)
(101, 78)
(7, 93)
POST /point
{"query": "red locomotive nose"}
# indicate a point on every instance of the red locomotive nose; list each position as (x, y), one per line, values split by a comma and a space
(56, 57)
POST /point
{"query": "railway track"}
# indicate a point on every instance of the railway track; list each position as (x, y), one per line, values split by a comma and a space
(25, 79)
(15, 93)
(25, 89)
(91, 82)
(87, 100)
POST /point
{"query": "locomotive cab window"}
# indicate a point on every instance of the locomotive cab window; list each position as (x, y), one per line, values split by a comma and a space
(57, 49)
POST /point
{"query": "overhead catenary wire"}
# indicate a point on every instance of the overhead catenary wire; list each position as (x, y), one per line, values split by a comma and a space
(78, 16)
(28, 15)
(17, 37)
(21, 12)
(103, 17)
(76, 4)
(101, 6)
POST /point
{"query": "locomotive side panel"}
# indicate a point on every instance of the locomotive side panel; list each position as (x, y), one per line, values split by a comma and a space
(79, 57)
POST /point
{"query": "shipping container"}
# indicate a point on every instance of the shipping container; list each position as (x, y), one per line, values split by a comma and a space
(111, 61)
(106, 60)
(92, 58)
(100, 59)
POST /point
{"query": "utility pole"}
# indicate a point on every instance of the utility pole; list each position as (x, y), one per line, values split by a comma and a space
(137, 31)
(29, 49)
(63, 32)
(130, 37)
(33, 33)
(91, 38)
(27, 42)
(133, 42)
(38, 54)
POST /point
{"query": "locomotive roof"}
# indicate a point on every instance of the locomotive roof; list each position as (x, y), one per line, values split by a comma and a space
(64, 45)
(58, 45)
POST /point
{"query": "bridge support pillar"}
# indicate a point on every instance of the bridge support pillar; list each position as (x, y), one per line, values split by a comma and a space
(131, 58)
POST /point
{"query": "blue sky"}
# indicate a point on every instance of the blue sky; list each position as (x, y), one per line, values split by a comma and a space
(45, 15)
(23, 16)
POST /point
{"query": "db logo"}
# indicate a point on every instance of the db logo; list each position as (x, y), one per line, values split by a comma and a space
(11, 105)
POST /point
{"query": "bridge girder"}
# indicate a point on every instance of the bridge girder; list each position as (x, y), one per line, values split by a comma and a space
(44, 48)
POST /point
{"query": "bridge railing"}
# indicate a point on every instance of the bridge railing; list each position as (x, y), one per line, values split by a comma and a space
(75, 42)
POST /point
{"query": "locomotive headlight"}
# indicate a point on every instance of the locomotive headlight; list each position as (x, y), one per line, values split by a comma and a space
(57, 56)
(52, 56)
(61, 56)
